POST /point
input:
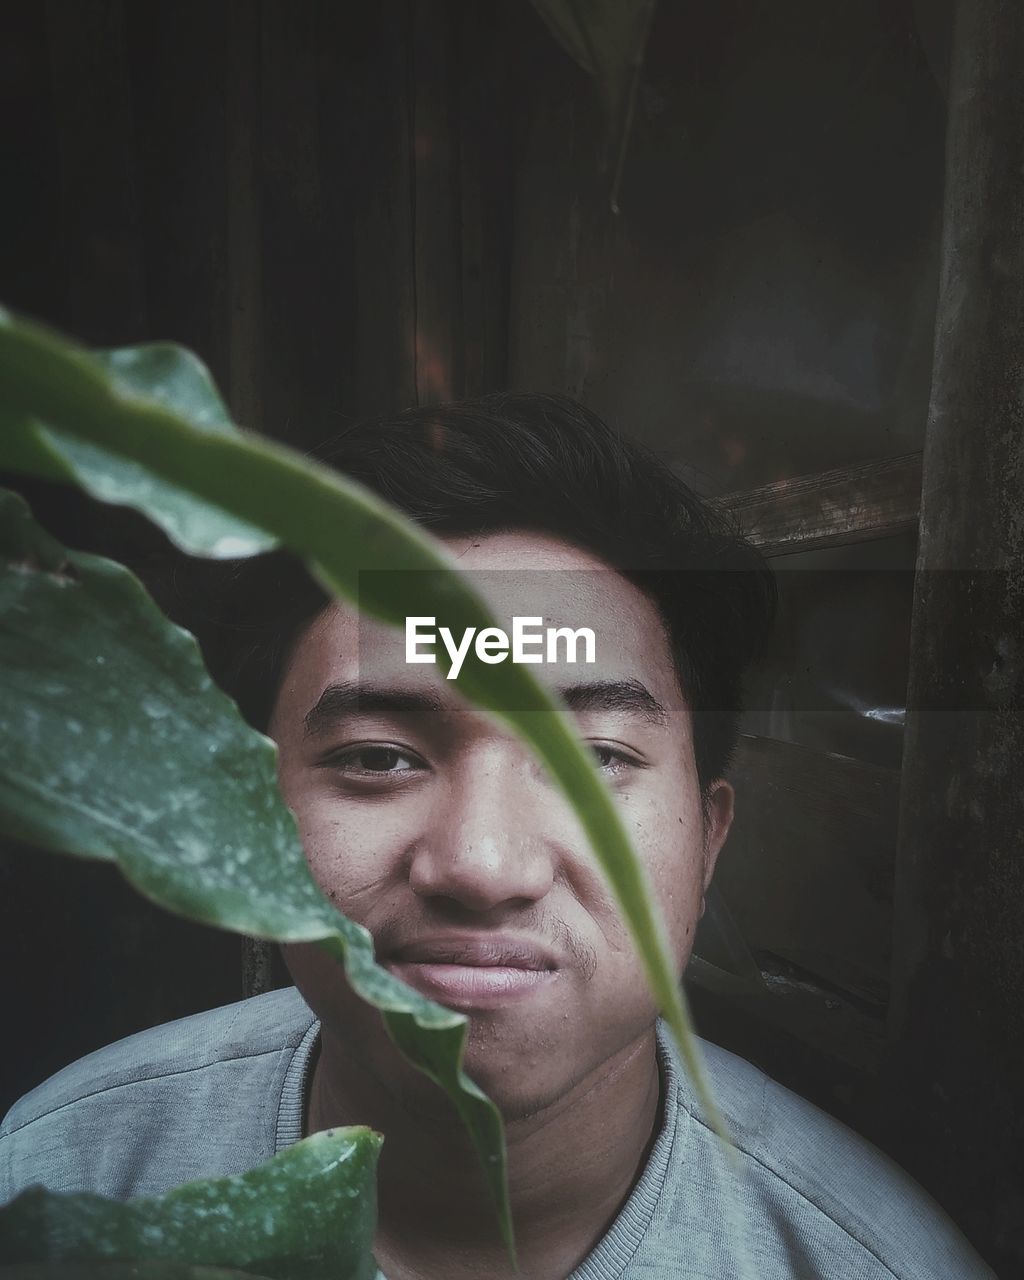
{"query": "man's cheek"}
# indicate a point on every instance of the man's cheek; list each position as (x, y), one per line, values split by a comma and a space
(351, 860)
(352, 888)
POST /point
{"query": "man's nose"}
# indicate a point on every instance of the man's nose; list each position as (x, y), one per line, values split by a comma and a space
(486, 845)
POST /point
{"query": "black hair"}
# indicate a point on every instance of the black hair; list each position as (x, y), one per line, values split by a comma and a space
(543, 463)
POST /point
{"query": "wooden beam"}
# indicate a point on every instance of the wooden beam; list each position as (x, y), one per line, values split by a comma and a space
(848, 504)
(958, 980)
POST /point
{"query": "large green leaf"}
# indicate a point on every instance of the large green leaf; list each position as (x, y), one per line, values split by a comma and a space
(365, 551)
(172, 376)
(116, 744)
(307, 1214)
(608, 38)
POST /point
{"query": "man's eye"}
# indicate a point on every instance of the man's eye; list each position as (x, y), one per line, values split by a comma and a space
(611, 759)
(379, 759)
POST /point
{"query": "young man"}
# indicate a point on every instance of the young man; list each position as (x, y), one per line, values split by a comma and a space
(430, 824)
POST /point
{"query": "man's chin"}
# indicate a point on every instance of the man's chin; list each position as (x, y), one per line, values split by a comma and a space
(520, 1052)
(521, 1070)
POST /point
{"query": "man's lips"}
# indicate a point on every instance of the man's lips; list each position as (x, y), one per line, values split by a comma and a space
(477, 950)
(473, 972)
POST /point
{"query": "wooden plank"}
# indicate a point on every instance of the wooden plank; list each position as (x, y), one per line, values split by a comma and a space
(565, 237)
(366, 184)
(486, 176)
(819, 1019)
(101, 235)
(807, 870)
(438, 262)
(176, 59)
(336, 215)
(302, 290)
(847, 504)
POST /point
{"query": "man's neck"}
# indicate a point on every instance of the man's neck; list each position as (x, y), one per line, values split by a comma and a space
(571, 1167)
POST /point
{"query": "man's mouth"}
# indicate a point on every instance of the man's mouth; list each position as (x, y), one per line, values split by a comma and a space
(473, 972)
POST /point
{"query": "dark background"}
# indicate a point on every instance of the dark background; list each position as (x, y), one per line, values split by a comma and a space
(349, 209)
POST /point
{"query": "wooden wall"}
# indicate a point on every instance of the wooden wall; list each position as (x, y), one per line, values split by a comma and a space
(313, 196)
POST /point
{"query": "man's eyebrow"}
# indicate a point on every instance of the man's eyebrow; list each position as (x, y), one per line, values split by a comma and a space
(629, 696)
(351, 696)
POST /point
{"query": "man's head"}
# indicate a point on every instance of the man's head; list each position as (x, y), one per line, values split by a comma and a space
(433, 826)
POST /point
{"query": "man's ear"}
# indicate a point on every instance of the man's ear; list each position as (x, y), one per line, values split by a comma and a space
(719, 814)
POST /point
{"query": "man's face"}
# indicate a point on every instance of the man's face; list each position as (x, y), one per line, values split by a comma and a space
(433, 826)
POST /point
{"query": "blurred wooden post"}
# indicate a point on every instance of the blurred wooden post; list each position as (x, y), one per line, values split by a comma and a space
(958, 990)
(437, 249)
(257, 967)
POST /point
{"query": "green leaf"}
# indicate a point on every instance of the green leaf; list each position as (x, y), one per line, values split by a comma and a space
(115, 744)
(169, 375)
(306, 1214)
(364, 551)
(608, 38)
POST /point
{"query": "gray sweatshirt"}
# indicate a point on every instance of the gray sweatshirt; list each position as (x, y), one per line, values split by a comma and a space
(220, 1092)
